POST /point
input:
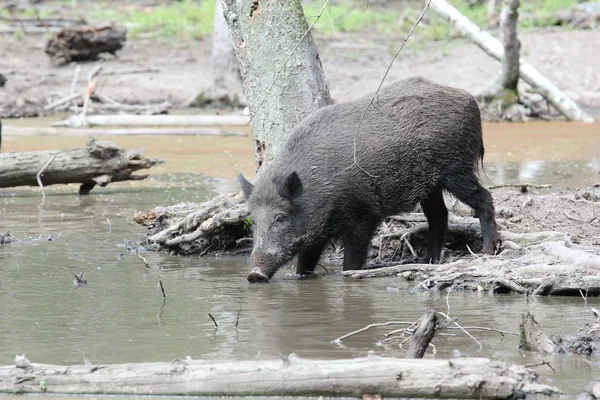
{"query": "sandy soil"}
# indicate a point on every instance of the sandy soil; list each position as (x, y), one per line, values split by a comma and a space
(177, 72)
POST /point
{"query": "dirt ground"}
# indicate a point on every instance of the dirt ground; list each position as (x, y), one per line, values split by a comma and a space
(155, 71)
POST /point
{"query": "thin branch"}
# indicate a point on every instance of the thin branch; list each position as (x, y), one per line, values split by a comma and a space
(143, 259)
(463, 329)
(237, 321)
(213, 320)
(540, 364)
(338, 340)
(162, 289)
(317, 17)
(371, 103)
(38, 176)
(520, 186)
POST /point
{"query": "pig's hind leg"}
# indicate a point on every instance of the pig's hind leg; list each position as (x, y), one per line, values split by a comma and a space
(469, 191)
(437, 220)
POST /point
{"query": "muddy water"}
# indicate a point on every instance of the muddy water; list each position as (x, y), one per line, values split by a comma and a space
(559, 153)
(119, 316)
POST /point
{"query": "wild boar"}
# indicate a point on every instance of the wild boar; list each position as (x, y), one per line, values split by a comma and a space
(332, 180)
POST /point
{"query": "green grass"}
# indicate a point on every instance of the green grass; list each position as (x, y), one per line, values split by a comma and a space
(185, 20)
(193, 19)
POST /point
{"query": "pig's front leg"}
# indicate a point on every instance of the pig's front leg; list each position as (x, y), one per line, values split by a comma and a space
(308, 259)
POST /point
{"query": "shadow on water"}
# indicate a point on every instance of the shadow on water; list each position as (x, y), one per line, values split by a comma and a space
(119, 315)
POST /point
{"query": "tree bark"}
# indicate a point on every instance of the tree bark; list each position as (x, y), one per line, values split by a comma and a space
(494, 48)
(277, 102)
(227, 87)
(423, 335)
(99, 163)
(510, 61)
(465, 378)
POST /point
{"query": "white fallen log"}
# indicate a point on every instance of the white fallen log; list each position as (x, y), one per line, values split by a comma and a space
(99, 163)
(154, 120)
(464, 378)
(527, 72)
(18, 131)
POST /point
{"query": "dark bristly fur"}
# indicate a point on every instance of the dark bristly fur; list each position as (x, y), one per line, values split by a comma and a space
(419, 139)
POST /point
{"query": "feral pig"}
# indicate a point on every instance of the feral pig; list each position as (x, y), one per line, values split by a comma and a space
(330, 181)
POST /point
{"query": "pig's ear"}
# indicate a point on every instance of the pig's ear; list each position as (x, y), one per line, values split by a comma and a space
(247, 187)
(292, 186)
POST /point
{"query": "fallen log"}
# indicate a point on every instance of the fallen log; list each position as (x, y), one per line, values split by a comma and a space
(155, 120)
(527, 72)
(101, 162)
(18, 131)
(85, 43)
(464, 378)
(423, 335)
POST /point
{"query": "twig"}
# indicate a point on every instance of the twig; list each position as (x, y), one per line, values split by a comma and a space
(371, 103)
(448, 299)
(539, 364)
(38, 176)
(162, 289)
(522, 186)
(62, 101)
(347, 335)
(213, 320)
(483, 328)
(287, 59)
(584, 304)
(462, 329)
(143, 259)
(37, 15)
(471, 251)
(74, 84)
(412, 251)
(237, 321)
(109, 225)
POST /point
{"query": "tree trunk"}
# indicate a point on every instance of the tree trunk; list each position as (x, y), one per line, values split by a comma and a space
(280, 91)
(99, 163)
(494, 48)
(510, 61)
(227, 88)
(462, 378)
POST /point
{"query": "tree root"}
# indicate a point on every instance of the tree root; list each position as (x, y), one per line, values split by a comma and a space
(190, 228)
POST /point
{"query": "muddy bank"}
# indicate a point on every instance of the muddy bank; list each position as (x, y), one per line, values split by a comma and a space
(151, 72)
(551, 245)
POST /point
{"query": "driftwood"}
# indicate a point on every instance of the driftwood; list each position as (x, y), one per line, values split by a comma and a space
(155, 120)
(586, 342)
(423, 335)
(85, 43)
(527, 72)
(464, 378)
(18, 131)
(99, 163)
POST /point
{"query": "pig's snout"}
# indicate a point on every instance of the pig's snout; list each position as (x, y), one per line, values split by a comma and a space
(257, 276)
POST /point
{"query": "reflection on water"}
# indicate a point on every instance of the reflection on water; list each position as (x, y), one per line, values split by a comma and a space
(561, 174)
(119, 315)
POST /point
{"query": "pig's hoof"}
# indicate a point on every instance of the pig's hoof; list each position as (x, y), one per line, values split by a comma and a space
(256, 276)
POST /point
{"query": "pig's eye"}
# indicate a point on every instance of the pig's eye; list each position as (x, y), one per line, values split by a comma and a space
(279, 219)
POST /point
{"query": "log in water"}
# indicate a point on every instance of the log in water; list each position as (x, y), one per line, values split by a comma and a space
(472, 378)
